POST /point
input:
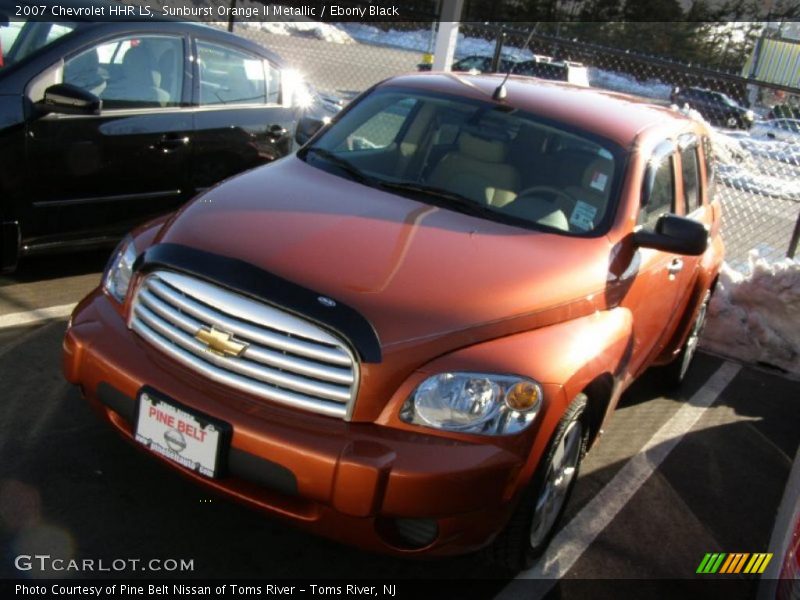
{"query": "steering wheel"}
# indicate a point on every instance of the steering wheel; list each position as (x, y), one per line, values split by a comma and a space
(536, 190)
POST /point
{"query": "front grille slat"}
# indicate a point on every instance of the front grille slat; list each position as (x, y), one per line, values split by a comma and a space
(268, 338)
(302, 367)
(253, 352)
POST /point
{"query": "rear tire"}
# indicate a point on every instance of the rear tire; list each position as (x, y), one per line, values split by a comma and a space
(539, 510)
(675, 372)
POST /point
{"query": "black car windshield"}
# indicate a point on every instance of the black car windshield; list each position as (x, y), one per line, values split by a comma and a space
(20, 39)
(481, 158)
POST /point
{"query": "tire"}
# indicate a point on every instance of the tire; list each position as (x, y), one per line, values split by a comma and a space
(675, 372)
(541, 506)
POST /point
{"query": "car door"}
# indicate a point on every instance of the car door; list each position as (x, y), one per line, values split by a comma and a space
(95, 175)
(659, 277)
(243, 118)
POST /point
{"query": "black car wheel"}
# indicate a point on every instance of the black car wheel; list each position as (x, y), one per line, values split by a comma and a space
(536, 518)
(675, 372)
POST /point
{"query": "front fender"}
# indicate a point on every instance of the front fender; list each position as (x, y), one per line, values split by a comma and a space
(565, 358)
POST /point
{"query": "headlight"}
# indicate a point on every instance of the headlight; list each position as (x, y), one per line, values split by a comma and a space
(118, 273)
(750, 115)
(474, 403)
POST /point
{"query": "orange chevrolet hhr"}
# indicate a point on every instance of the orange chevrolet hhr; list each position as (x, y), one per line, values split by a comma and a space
(406, 335)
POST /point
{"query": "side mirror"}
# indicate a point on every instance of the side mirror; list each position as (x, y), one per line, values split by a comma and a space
(307, 127)
(68, 99)
(674, 234)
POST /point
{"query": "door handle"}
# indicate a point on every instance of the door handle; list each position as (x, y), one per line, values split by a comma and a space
(675, 266)
(276, 131)
(171, 142)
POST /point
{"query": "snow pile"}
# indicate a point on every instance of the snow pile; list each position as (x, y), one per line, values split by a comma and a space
(754, 315)
(765, 167)
(621, 82)
(300, 26)
(422, 40)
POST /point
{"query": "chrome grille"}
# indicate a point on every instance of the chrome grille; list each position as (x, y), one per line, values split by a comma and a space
(287, 359)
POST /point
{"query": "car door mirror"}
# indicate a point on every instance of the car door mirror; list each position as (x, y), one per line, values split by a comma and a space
(307, 127)
(674, 234)
(65, 98)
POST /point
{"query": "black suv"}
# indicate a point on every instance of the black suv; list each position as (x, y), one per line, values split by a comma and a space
(103, 125)
(717, 108)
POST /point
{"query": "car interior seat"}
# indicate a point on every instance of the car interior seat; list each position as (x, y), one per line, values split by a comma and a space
(140, 81)
(477, 170)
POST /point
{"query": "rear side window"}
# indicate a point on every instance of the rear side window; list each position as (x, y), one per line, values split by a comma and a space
(690, 176)
(661, 197)
(229, 76)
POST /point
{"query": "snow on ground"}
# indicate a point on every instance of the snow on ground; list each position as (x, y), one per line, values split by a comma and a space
(301, 27)
(754, 315)
(765, 167)
(621, 82)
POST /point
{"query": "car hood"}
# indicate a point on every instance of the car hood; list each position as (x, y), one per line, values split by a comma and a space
(415, 271)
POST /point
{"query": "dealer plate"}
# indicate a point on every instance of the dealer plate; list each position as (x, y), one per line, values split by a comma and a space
(192, 440)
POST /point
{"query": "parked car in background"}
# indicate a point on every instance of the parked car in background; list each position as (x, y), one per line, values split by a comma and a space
(478, 63)
(103, 125)
(543, 67)
(717, 108)
(405, 335)
(785, 130)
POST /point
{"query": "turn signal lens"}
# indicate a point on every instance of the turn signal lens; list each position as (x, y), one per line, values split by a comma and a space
(523, 396)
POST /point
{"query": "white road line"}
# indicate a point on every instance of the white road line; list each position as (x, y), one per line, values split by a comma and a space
(572, 541)
(36, 315)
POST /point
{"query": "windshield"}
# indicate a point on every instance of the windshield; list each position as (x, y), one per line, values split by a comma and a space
(20, 39)
(481, 158)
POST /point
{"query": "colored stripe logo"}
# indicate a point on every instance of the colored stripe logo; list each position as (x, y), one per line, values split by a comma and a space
(736, 562)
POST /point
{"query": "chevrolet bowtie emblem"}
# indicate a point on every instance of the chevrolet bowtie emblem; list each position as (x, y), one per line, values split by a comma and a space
(220, 343)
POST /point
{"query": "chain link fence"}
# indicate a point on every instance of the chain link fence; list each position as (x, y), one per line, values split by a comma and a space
(758, 161)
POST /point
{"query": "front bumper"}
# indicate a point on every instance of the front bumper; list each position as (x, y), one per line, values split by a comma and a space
(372, 486)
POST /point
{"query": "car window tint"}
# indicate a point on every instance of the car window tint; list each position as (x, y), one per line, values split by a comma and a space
(229, 76)
(380, 129)
(514, 166)
(132, 72)
(661, 197)
(22, 38)
(689, 174)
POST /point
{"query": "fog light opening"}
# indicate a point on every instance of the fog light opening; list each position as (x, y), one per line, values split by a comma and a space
(408, 534)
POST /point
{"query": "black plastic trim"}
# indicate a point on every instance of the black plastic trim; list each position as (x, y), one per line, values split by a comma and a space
(247, 279)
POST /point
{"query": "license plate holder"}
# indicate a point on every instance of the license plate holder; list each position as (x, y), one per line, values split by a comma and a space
(181, 434)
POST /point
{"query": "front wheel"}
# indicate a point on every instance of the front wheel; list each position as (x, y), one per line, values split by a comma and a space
(541, 506)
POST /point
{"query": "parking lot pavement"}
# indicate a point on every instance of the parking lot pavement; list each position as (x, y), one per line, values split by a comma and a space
(70, 487)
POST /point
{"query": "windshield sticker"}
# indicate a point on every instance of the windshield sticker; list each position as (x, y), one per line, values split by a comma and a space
(599, 181)
(582, 215)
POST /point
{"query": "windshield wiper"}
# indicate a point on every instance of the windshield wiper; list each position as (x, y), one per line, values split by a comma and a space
(343, 164)
(442, 197)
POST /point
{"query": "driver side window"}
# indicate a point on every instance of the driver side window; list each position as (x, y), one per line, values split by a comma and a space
(662, 196)
(131, 72)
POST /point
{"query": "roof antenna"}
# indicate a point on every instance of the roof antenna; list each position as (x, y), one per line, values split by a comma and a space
(500, 91)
